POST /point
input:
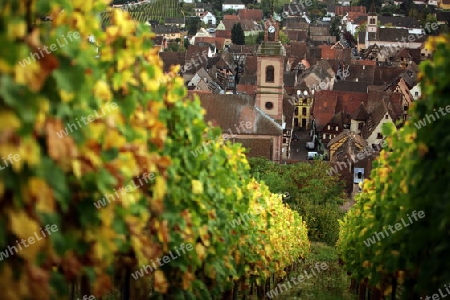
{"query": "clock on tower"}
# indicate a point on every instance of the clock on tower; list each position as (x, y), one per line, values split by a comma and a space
(271, 33)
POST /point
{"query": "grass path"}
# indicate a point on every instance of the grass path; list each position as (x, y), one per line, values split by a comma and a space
(331, 284)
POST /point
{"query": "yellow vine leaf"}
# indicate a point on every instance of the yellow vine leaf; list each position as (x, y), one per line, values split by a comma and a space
(161, 284)
(22, 225)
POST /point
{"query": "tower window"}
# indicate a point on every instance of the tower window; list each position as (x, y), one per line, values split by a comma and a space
(372, 21)
(304, 111)
(270, 74)
(269, 105)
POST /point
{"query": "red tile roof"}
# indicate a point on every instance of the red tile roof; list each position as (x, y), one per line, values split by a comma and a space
(223, 34)
(342, 10)
(251, 14)
(324, 107)
(230, 17)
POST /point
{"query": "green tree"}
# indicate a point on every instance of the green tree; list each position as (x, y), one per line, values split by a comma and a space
(237, 34)
(334, 27)
(193, 24)
(283, 38)
(254, 39)
(173, 47)
(308, 190)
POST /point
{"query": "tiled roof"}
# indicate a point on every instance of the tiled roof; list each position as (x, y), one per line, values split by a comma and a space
(323, 108)
(251, 14)
(172, 59)
(251, 66)
(219, 42)
(361, 113)
(295, 35)
(342, 10)
(386, 75)
(257, 147)
(247, 25)
(299, 49)
(348, 102)
(374, 119)
(227, 110)
(226, 34)
(352, 145)
(230, 17)
(351, 86)
(195, 54)
(406, 22)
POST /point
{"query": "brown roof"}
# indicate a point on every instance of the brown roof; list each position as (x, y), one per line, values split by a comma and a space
(351, 86)
(219, 42)
(342, 10)
(230, 17)
(348, 102)
(257, 147)
(297, 23)
(361, 113)
(385, 75)
(352, 145)
(195, 53)
(319, 30)
(374, 118)
(250, 14)
(249, 89)
(229, 110)
(299, 49)
(353, 15)
(324, 107)
(223, 34)
(251, 64)
(295, 35)
(172, 59)
(247, 25)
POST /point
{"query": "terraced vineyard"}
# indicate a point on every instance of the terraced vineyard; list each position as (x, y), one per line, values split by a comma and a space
(157, 10)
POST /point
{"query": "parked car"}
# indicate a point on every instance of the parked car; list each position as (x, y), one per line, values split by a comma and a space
(312, 155)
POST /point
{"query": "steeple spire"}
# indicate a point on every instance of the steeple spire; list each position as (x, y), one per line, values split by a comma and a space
(372, 10)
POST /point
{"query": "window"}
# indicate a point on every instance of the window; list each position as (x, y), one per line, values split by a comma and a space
(296, 111)
(359, 175)
(379, 135)
(386, 116)
(304, 111)
(372, 21)
(416, 94)
(337, 128)
(269, 105)
(270, 74)
(324, 136)
(360, 125)
(284, 140)
(329, 127)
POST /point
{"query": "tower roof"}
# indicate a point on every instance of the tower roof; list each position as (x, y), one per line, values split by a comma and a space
(372, 10)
